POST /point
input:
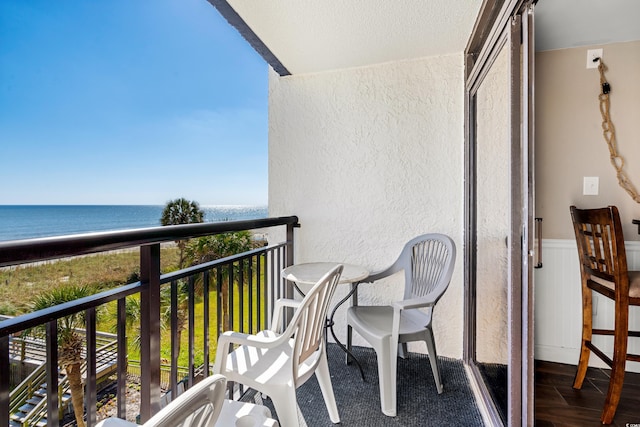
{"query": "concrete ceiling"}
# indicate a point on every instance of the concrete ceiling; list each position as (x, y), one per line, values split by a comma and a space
(562, 24)
(313, 36)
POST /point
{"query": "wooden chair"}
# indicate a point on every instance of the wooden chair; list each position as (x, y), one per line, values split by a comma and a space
(603, 267)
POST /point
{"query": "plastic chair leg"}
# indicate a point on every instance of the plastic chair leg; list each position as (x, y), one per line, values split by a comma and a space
(386, 378)
(402, 350)
(324, 380)
(433, 358)
(349, 345)
(286, 405)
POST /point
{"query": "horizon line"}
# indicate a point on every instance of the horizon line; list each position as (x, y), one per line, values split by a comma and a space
(235, 205)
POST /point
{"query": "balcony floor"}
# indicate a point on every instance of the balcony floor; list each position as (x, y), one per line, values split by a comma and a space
(418, 402)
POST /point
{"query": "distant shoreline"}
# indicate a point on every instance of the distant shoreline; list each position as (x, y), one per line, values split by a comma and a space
(19, 222)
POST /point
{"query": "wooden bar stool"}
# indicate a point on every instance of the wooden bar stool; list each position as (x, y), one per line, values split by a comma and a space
(603, 268)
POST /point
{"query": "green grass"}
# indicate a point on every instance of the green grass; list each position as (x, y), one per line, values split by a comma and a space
(108, 323)
(238, 324)
(20, 285)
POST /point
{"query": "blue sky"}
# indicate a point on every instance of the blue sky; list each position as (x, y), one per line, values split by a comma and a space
(129, 102)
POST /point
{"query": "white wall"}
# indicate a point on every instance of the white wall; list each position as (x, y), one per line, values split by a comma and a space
(558, 306)
(369, 158)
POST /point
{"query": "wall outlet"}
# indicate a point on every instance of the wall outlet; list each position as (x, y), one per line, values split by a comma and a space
(591, 55)
(590, 186)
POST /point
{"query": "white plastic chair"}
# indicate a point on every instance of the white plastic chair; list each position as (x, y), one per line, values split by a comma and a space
(276, 364)
(204, 405)
(427, 262)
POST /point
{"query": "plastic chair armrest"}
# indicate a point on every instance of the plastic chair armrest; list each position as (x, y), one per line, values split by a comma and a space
(407, 304)
(227, 338)
(288, 303)
(240, 338)
(277, 312)
(373, 277)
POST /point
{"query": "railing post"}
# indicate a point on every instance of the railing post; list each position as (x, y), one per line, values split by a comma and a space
(288, 286)
(121, 401)
(191, 302)
(5, 374)
(149, 331)
(289, 259)
(205, 326)
(173, 376)
(90, 383)
(52, 373)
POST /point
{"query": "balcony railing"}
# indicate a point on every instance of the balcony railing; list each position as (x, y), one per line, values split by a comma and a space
(255, 275)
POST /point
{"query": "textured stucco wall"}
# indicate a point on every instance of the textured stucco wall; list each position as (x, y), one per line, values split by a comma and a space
(369, 158)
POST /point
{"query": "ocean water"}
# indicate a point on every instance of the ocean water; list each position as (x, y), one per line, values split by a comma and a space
(30, 221)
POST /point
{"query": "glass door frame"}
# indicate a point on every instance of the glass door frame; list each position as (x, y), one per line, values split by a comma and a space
(504, 24)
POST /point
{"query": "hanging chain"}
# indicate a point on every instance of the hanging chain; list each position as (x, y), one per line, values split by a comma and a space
(609, 133)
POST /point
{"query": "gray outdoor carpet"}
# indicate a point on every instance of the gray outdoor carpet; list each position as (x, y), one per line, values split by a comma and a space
(418, 401)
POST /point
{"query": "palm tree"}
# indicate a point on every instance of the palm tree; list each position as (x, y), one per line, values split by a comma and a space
(70, 343)
(181, 211)
(176, 212)
(209, 248)
(133, 310)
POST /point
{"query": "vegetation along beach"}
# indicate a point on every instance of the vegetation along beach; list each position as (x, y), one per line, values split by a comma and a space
(29, 287)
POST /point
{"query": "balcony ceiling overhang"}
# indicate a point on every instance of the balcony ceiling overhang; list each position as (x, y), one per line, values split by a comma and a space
(321, 35)
(562, 24)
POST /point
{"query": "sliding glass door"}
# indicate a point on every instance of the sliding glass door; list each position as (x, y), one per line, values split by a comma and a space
(499, 168)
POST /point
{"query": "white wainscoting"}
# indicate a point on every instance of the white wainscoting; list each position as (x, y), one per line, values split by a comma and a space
(558, 306)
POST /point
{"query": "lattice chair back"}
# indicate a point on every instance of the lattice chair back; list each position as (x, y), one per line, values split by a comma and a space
(428, 265)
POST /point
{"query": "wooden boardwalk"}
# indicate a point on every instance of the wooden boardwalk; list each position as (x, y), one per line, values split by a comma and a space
(28, 400)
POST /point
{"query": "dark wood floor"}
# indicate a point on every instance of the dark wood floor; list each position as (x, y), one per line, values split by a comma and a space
(558, 404)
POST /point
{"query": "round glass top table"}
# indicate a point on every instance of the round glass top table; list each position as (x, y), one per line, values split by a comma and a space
(309, 274)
